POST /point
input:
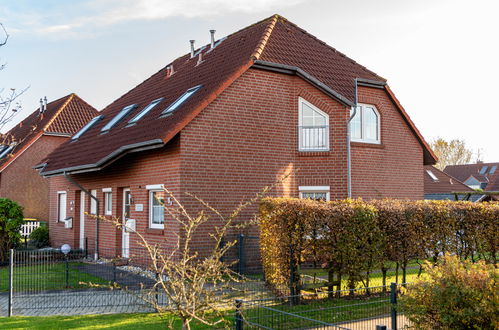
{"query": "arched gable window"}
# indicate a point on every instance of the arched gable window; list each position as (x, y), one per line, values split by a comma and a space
(365, 126)
(313, 127)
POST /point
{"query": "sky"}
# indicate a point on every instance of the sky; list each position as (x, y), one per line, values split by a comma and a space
(440, 57)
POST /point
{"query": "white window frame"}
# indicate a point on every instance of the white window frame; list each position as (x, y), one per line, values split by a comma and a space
(360, 112)
(108, 201)
(93, 203)
(151, 190)
(315, 189)
(302, 101)
(432, 175)
(59, 204)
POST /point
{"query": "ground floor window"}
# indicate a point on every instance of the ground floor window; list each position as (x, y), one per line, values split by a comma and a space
(314, 192)
(93, 203)
(108, 201)
(156, 208)
(61, 205)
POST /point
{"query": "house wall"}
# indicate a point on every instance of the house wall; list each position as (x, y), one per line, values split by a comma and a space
(21, 183)
(133, 171)
(394, 168)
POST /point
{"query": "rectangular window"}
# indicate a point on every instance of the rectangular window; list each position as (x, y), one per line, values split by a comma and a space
(184, 97)
(88, 126)
(157, 209)
(314, 192)
(125, 111)
(144, 111)
(313, 128)
(61, 205)
(108, 201)
(93, 203)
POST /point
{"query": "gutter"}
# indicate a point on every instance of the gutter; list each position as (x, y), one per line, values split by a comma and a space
(349, 148)
(70, 179)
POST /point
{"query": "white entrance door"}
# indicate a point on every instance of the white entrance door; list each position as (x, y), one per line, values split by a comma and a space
(82, 220)
(126, 215)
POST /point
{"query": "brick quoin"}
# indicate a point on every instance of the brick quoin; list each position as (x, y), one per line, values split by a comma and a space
(246, 139)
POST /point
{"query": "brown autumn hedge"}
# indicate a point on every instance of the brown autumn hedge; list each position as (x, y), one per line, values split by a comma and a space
(350, 238)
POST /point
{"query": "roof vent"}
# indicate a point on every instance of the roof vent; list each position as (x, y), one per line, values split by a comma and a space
(41, 105)
(169, 71)
(212, 32)
(44, 103)
(192, 47)
(200, 59)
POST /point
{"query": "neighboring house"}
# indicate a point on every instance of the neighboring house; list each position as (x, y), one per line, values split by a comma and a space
(29, 142)
(483, 176)
(224, 121)
(439, 186)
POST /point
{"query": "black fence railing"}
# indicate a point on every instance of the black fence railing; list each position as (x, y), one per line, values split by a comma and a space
(346, 309)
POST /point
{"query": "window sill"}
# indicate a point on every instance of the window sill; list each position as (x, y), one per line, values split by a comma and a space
(155, 231)
(367, 145)
(324, 153)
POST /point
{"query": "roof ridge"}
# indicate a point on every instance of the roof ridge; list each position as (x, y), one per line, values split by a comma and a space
(329, 46)
(61, 108)
(265, 37)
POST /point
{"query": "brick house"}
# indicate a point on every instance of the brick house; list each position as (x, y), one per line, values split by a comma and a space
(29, 142)
(439, 185)
(227, 119)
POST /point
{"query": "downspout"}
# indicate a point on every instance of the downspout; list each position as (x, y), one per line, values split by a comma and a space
(349, 152)
(70, 179)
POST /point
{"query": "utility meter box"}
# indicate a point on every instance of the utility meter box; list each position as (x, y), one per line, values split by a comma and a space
(68, 222)
(130, 225)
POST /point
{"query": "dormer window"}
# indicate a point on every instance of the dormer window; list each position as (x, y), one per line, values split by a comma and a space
(365, 125)
(313, 127)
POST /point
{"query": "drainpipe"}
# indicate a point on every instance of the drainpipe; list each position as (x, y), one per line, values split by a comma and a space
(349, 152)
(70, 179)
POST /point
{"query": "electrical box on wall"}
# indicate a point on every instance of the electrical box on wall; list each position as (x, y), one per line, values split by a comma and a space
(68, 223)
(130, 225)
(139, 207)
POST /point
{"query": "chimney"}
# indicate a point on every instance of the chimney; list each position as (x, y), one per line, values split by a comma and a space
(41, 105)
(212, 32)
(192, 47)
(45, 104)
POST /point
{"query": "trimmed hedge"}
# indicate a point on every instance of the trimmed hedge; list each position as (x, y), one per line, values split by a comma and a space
(352, 237)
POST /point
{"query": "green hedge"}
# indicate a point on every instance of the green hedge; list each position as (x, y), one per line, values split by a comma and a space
(351, 237)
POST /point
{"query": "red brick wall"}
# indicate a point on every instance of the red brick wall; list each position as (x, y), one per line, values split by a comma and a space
(21, 183)
(133, 171)
(394, 168)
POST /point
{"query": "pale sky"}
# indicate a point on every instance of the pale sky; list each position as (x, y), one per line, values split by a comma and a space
(440, 56)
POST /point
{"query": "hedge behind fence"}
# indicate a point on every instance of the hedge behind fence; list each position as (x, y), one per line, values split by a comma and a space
(350, 238)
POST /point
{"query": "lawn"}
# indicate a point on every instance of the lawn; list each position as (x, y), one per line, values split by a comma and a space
(47, 277)
(110, 321)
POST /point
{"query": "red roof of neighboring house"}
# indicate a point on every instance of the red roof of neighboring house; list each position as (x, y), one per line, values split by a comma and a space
(64, 116)
(274, 41)
(444, 183)
(480, 171)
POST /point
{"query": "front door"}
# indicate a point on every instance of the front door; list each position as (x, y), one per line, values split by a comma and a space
(82, 220)
(126, 215)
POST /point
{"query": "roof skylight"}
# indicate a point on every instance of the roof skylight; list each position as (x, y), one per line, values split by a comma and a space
(483, 169)
(144, 111)
(6, 150)
(180, 100)
(87, 127)
(493, 169)
(125, 111)
(432, 176)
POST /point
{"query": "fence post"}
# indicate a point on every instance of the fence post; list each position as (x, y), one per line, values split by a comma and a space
(239, 317)
(393, 302)
(242, 261)
(11, 282)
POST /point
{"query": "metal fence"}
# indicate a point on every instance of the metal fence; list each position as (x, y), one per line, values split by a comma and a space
(48, 282)
(347, 309)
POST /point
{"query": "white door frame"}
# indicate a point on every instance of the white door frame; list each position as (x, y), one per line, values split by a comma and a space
(125, 238)
(82, 219)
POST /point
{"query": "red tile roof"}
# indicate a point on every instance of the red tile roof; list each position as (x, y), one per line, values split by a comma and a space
(444, 184)
(273, 40)
(463, 172)
(64, 116)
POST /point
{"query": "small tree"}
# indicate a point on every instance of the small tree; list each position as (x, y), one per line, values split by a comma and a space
(453, 152)
(11, 220)
(455, 294)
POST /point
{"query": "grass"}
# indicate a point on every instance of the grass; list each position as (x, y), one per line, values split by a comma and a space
(110, 321)
(47, 277)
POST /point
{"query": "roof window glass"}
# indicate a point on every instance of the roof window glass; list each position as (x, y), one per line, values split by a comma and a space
(483, 169)
(125, 111)
(86, 127)
(180, 100)
(144, 111)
